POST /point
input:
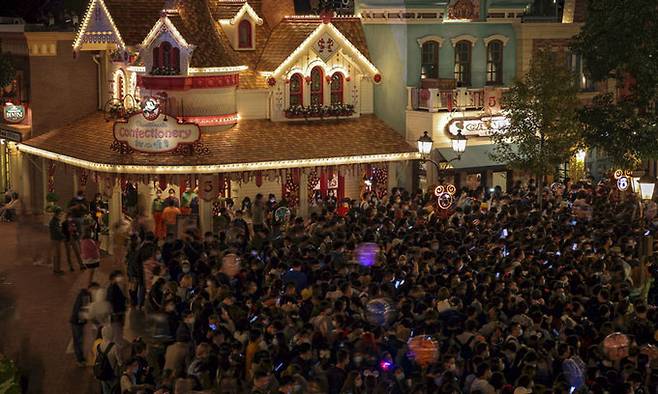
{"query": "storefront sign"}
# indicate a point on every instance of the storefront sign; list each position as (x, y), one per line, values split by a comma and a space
(155, 136)
(13, 113)
(10, 135)
(482, 127)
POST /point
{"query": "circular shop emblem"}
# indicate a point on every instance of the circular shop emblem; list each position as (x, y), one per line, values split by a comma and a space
(622, 183)
(151, 108)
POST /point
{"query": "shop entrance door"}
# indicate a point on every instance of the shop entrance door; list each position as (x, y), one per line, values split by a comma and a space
(500, 179)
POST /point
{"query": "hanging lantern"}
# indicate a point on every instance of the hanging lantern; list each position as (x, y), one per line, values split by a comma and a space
(616, 346)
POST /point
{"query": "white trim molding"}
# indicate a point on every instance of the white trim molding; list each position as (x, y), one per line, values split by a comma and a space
(163, 25)
(246, 9)
(464, 37)
(216, 168)
(498, 37)
(427, 38)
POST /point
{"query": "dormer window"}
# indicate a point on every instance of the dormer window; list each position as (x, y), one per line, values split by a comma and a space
(166, 59)
(245, 35)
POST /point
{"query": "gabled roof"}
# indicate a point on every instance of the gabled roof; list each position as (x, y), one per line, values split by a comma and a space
(134, 18)
(96, 27)
(194, 22)
(292, 32)
(227, 9)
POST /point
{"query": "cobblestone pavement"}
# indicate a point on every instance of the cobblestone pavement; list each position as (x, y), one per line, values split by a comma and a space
(35, 307)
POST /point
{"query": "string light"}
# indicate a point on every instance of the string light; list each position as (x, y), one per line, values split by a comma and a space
(208, 70)
(85, 24)
(166, 22)
(322, 28)
(216, 168)
(245, 9)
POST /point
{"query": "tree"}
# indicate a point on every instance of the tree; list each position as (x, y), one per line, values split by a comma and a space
(619, 41)
(544, 130)
(7, 71)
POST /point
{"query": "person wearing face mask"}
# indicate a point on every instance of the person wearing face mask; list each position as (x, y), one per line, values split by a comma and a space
(353, 384)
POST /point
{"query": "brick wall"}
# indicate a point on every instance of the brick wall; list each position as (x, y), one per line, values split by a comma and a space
(63, 89)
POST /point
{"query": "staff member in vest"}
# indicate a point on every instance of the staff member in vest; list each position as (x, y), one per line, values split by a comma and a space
(157, 207)
(169, 216)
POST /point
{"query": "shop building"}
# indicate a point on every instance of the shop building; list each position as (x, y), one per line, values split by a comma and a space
(229, 99)
(453, 61)
(50, 89)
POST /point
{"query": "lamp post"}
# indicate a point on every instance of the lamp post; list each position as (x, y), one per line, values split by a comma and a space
(425, 144)
(646, 185)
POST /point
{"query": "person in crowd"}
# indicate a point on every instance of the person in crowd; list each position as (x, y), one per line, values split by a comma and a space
(157, 207)
(78, 320)
(57, 239)
(505, 295)
(107, 367)
(71, 230)
(90, 254)
(170, 215)
(172, 197)
(118, 300)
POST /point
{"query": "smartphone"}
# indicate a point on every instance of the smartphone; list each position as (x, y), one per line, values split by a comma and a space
(572, 389)
(556, 333)
(647, 232)
(573, 222)
(558, 253)
(253, 319)
(504, 233)
(212, 326)
(497, 275)
(278, 367)
(574, 246)
(399, 283)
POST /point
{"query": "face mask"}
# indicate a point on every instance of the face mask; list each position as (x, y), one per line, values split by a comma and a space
(158, 257)
(357, 359)
(275, 342)
(186, 269)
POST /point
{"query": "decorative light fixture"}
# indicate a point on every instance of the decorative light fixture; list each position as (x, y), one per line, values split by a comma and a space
(425, 145)
(580, 155)
(647, 184)
(459, 143)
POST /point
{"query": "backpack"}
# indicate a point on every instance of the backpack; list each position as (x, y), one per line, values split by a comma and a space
(103, 370)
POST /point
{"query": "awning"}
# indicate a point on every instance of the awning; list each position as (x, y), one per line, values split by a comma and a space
(251, 145)
(474, 157)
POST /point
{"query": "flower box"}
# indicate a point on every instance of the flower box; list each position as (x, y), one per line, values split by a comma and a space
(315, 111)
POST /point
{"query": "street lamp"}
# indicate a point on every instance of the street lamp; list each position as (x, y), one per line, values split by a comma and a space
(425, 145)
(459, 143)
(647, 185)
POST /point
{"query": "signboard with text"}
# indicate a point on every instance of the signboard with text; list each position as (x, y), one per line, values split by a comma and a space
(157, 135)
(481, 127)
(13, 113)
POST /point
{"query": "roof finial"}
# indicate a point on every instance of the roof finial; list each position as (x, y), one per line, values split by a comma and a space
(326, 15)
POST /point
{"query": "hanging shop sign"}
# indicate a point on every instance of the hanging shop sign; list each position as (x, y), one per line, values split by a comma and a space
(163, 134)
(13, 113)
(481, 127)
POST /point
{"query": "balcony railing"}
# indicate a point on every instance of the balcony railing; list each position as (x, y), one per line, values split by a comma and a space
(435, 100)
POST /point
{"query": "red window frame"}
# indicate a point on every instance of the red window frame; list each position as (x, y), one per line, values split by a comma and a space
(245, 32)
(317, 86)
(337, 88)
(166, 55)
(299, 95)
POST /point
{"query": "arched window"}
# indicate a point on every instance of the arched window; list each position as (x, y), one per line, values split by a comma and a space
(119, 93)
(244, 34)
(337, 88)
(317, 91)
(296, 90)
(495, 63)
(429, 67)
(166, 57)
(463, 63)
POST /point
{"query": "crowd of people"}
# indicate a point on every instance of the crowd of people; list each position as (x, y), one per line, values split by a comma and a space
(506, 294)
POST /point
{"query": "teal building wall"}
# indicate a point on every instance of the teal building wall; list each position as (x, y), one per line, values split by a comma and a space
(395, 51)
